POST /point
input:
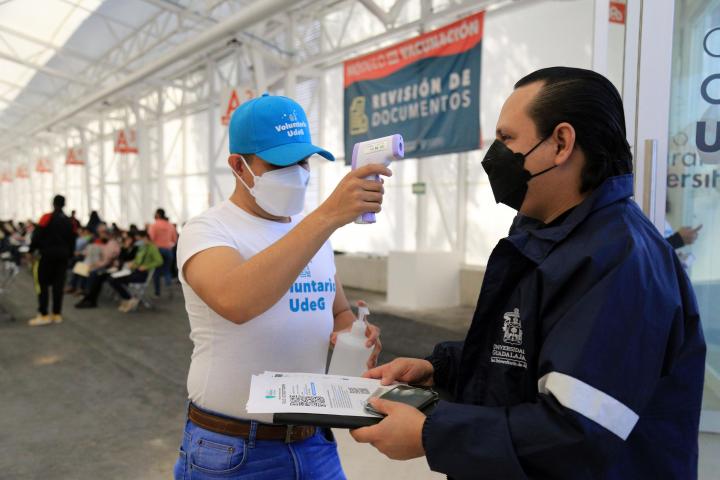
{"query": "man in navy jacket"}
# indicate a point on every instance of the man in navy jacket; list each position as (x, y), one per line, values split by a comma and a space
(585, 357)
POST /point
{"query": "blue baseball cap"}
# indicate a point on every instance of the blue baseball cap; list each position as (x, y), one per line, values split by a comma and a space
(274, 128)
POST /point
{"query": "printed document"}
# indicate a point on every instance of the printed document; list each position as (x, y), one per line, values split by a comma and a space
(278, 392)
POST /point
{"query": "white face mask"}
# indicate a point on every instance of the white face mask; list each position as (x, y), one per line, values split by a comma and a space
(279, 192)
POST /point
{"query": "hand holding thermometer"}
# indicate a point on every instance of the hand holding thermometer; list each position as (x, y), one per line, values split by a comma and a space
(380, 150)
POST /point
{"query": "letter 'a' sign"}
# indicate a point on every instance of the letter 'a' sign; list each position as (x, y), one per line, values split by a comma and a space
(43, 166)
(126, 141)
(75, 156)
(22, 172)
(231, 98)
(427, 89)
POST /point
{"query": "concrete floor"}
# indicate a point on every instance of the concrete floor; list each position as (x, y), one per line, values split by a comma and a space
(102, 395)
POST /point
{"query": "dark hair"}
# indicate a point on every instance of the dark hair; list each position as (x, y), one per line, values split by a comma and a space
(58, 202)
(161, 213)
(141, 233)
(593, 106)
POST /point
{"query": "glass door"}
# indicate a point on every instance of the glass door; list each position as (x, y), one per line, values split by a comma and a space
(671, 94)
(693, 172)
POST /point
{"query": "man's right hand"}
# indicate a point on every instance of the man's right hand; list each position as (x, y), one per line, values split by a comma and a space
(408, 370)
(355, 195)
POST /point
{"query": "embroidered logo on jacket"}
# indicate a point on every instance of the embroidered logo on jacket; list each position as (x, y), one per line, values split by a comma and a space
(512, 328)
(509, 352)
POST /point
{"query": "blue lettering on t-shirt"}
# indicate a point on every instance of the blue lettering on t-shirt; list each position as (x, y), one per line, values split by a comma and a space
(307, 305)
(312, 287)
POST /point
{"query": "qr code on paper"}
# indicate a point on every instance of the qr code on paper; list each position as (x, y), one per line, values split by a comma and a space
(360, 391)
(307, 401)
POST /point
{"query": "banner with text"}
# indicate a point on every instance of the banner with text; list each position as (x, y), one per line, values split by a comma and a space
(427, 89)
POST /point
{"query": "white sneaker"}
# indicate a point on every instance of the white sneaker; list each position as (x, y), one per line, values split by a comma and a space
(40, 320)
(56, 317)
(132, 304)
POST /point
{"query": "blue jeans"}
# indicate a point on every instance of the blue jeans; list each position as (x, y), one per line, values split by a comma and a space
(165, 270)
(208, 455)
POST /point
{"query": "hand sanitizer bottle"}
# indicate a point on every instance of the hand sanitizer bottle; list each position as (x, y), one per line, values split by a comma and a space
(350, 355)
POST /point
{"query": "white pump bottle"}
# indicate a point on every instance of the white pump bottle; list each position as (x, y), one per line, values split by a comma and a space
(350, 355)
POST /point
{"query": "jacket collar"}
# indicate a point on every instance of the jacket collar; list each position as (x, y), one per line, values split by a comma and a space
(536, 242)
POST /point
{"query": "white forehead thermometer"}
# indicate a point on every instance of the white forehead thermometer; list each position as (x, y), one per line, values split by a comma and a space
(380, 150)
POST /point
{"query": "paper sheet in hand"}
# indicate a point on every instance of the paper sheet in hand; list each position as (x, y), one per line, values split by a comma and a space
(315, 399)
(121, 273)
(82, 269)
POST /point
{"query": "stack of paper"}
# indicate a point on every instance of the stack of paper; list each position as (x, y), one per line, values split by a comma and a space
(121, 273)
(276, 392)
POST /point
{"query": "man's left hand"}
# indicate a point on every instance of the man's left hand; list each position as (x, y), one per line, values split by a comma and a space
(399, 434)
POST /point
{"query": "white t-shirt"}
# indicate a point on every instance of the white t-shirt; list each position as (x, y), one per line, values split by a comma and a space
(293, 335)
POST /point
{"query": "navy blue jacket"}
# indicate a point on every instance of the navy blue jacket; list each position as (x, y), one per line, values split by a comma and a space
(585, 357)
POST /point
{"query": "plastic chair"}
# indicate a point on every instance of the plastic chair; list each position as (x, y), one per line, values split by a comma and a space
(8, 273)
(138, 291)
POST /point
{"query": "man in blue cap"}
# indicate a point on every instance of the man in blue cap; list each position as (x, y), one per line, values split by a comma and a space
(261, 294)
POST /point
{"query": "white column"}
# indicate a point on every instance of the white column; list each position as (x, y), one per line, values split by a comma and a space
(462, 198)
(86, 171)
(101, 167)
(144, 159)
(212, 125)
(652, 108)
(161, 183)
(601, 26)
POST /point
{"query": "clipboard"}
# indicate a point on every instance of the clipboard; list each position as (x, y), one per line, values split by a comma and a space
(333, 421)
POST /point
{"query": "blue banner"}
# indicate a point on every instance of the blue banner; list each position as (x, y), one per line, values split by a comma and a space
(427, 89)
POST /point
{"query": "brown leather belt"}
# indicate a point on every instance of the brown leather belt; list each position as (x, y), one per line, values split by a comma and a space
(241, 428)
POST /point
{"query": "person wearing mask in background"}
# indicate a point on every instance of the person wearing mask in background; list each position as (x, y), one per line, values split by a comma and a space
(77, 282)
(261, 294)
(99, 256)
(163, 235)
(146, 260)
(128, 250)
(585, 357)
(54, 240)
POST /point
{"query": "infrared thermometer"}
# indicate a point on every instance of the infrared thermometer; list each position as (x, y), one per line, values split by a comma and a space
(380, 150)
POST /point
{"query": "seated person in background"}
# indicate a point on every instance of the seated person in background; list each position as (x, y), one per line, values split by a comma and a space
(9, 242)
(146, 259)
(78, 282)
(109, 250)
(99, 256)
(127, 255)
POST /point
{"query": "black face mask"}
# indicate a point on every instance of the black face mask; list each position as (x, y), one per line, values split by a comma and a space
(507, 173)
